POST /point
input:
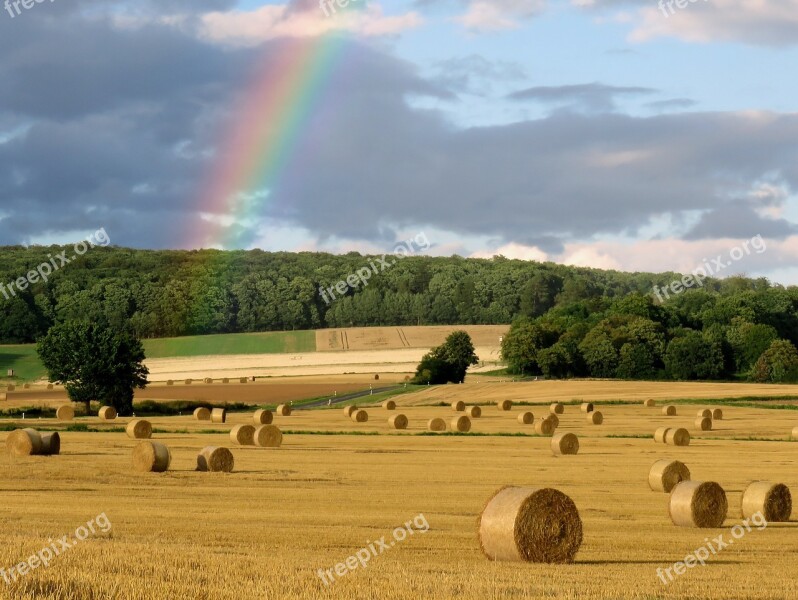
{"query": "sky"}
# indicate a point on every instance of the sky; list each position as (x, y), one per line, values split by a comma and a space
(619, 134)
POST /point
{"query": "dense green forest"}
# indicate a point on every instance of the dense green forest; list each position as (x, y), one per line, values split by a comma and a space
(572, 315)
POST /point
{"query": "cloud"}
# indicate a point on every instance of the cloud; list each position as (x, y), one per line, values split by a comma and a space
(497, 15)
(474, 74)
(672, 104)
(589, 97)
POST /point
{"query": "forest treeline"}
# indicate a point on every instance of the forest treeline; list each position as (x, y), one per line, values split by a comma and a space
(167, 293)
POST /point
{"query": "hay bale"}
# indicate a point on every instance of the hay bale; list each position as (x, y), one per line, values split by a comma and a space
(564, 443)
(107, 413)
(188, 382)
(139, 429)
(474, 412)
(773, 500)
(677, 437)
(704, 412)
(595, 417)
(207, 380)
(169, 382)
(666, 473)
(717, 414)
(526, 418)
(348, 410)
(24, 442)
(65, 412)
(263, 417)
(461, 424)
(698, 504)
(11, 387)
(243, 435)
(505, 405)
(557, 408)
(669, 411)
(555, 420)
(458, 405)
(703, 423)
(795, 433)
(360, 416)
(398, 421)
(649, 403)
(51, 444)
(226, 380)
(660, 433)
(436, 424)
(26, 386)
(539, 525)
(268, 436)
(242, 380)
(151, 457)
(215, 459)
(50, 386)
(586, 407)
(283, 410)
(202, 414)
(389, 405)
(218, 415)
(545, 427)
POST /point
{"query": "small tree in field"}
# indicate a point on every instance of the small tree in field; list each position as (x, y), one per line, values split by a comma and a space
(94, 361)
(447, 362)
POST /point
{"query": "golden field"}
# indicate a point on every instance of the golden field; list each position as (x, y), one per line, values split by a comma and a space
(264, 530)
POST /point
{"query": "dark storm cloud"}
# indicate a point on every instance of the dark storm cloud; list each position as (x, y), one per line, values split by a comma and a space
(739, 220)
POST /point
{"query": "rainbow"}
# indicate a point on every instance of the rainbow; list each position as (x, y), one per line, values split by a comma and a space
(268, 127)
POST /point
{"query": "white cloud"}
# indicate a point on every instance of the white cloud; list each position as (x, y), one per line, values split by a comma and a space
(497, 15)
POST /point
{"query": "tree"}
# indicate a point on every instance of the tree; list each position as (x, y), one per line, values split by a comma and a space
(521, 345)
(779, 363)
(691, 356)
(449, 361)
(94, 361)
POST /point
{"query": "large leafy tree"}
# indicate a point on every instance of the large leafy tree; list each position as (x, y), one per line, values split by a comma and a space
(95, 361)
(449, 361)
(779, 363)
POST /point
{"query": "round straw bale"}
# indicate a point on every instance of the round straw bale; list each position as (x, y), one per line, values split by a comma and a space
(242, 380)
(398, 421)
(773, 500)
(202, 414)
(188, 382)
(669, 411)
(11, 387)
(666, 473)
(526, 418)
(348, 410)
(263, 417)
(226, 380)
(698, 504)
(436, 424)
(474, 412)
(595, 417)
(389, 405)
(555, 420)
(703, 423)
(564, 443)
(107, 413)
(243, 435)
(458, 405)
(461, 424)
(557, 408)
(24, 442)
(360, 416)
(544, 427)
(50, 386)
(65, 412)
(139, 429)
(505, 405)
(25, 386)
(51, 443)
(218, 415)
(215, 459)
(540, 525)
(283, 410)
(795, 433)
(151, 457)
(717, 414)
(649, 402)
(677, 437)
(660, 433)
(587, 407)
(208, 380)
(704, 412)
(268, 436)
(169, 382)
